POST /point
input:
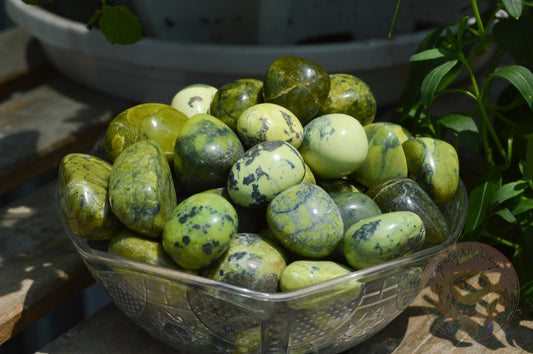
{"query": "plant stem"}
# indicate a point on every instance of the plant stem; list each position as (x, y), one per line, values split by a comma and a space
(500, 240)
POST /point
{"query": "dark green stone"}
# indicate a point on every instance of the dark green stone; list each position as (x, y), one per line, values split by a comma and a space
(298, 85)
(404, 194)
(83, 196)
(141, 190)
(234, 98)
(205, 151)
(354, 207)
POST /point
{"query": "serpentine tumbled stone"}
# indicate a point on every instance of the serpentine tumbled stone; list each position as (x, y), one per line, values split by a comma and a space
(141, 190)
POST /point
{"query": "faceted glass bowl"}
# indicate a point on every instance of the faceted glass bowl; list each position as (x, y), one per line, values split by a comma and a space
(196, 314)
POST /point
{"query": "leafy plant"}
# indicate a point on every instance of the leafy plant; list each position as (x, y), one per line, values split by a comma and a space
(494, 139)
(117, 22)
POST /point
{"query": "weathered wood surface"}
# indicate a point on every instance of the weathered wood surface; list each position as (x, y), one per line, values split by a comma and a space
(110, 331)
(43, 116)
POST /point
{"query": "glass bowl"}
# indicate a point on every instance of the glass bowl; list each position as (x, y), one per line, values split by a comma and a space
(196, 314)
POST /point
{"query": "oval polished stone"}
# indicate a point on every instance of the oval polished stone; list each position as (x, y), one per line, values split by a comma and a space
(148, 121)
(302, 273)
(199, 230)
(305, 220)
(268, 121)
(350, 95)
(354, 207)
(334, 145)
(382, 238)
(141, 190)
(404, 194)
(233, 98)
(204, 153)
(194, 99)
(250, 262)
(298, 85)
(309, 177)
(434, 164)
(385, 158)
(263, 172)
(83, 182)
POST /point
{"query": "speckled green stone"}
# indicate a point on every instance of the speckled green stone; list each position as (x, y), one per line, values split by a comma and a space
(354, 207)
(309, 176)
(194, 99)
(250, 262)
(385, 158)
(199, 230)
(128, 244)
(83, 182)
(434, 164)
(205, 150)
(263, 172)
(337, 185)
(146, 121)
(334, 145)
(235, 97)
(401, 133)
(299, 274)
(382, 238)
(268, 121)
(306, 220)
(350, 95)
(141, 190)
(404, 194)
(298, 85)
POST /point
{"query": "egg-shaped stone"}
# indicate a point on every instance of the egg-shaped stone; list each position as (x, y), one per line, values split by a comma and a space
(204, 152)
(199, 230)
(382, 238)
(250, 262)
(299, 274)
(350, 95)
(354, 207)
(146, 121)
(269, 121)
(83, 182)
(434, 164)
(127, 243)
(401, 133)
(298, 84)
(264, 171)
(404, 194)
(233, 98)
(334, 145)
(385, 157)
(194, 99)
(141, 189)
(305, 220)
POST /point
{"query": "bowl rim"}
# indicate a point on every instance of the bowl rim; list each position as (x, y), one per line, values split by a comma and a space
(392, 267)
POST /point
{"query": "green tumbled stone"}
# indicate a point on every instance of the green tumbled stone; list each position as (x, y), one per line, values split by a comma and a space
(350, 95)
(298, 85)
(205, 150)
(147, 121)
(250, 262)
(305, 220)
(199, 230)
(233, 98)
(434, 164)
(385, 158)
(382, 238)
(404, 194)
(83, 182)
(300, 274)
(354, 207)
(141, 190)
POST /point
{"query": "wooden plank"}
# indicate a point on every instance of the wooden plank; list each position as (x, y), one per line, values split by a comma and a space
(23, 61)
(44, 124)
(110, 331)
(39, 267)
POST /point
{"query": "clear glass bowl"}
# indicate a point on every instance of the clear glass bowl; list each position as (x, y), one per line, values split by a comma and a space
(196, 314)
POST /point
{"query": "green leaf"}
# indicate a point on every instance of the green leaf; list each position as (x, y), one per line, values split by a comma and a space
(395, 16)
(459, 123)
(506, 215)
(429, 54)
(479, 201)
(432, 81)
(513, 7)
(528, 170)
(119, 25)
(520, 77)
(508, 191)
(523, 205)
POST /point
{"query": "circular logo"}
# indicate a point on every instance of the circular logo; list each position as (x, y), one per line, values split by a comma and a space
(469, 290)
